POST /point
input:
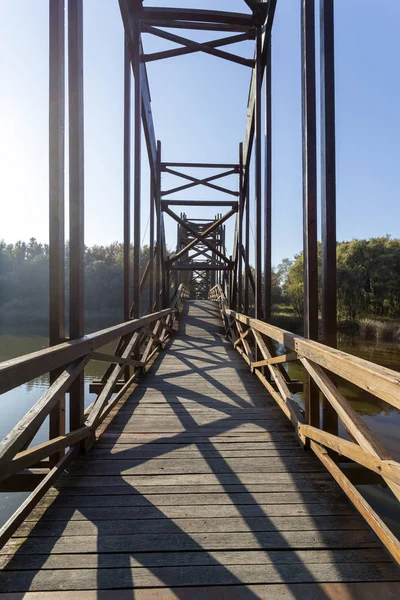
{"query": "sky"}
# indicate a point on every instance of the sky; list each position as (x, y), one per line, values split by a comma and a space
(199, 108)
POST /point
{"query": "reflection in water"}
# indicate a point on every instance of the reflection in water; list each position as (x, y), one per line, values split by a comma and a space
(381, 418)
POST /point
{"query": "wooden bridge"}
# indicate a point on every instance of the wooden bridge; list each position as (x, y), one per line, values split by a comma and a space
(201, 469)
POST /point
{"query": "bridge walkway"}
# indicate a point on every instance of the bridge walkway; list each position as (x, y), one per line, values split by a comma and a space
(197, 488)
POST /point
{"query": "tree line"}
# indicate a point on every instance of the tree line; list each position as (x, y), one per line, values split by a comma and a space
(24, 285)
(368, 279)
(368, 283)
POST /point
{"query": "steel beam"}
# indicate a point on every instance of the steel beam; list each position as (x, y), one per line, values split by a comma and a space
(76, 198)
(137, 169)
(310, 248)
(267, 305)
(191, 46)
(127, 179)
(258, 183)
(239, 303)
(328, 191)
(249, 131)
(56, 197)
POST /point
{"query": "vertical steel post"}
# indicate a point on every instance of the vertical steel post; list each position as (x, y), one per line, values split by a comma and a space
(309, 195)
(158, 227)
(258, 183)
(328, 191)
(137, 171)
(151, 244)
(127, 180)
(240, 231)
(56, 196)
(268, 190)
(76, 197)
(247, 242)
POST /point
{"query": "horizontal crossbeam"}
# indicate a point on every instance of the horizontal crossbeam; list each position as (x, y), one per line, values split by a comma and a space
(164, 165)
(232, 203)
(195, 15)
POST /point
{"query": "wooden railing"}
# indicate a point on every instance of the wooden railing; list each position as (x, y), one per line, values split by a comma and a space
(256, 340)
(25, 468)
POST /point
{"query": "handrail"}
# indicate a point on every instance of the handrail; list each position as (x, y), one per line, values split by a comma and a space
(318, 360)
(139, 341)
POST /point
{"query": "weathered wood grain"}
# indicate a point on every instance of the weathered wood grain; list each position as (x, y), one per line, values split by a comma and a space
(198, 481)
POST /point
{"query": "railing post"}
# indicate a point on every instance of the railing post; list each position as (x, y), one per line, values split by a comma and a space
(328, 192)
(76, 197)
(56, 198)
(310, 253)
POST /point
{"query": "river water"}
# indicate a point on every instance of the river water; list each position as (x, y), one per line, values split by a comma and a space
(382, 419)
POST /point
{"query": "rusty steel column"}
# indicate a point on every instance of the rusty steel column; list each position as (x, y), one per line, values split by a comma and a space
(268, 191)
(240, 232)
(247, 242)
(151, 244)
(158, 227)
(127, 180)
(310, 247)
(328, 192)
(137, 171)
(258, 183)
(56, 197)
(76, 198)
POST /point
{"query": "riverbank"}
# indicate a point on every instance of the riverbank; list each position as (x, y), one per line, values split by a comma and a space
(379, 330)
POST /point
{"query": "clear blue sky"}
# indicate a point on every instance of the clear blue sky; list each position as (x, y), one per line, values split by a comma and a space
(199, 107)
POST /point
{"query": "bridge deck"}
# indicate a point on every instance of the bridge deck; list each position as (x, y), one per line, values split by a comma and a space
(197, 484)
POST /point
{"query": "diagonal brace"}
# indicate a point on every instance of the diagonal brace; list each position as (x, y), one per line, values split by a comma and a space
(196, 235)
(192, 46)
(200, 236)
(195, 181)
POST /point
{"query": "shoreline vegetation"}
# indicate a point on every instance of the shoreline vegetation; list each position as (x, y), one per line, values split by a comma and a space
(363, 329)
(368, 288)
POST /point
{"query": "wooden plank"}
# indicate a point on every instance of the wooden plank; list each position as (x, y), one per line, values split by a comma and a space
(195, 576)
(275, 360)
(300, 463)
(191, 512)
(155, 559)
(179, 542)
(198, 499)
(161, 526)
(301, 480)
(302, 591)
